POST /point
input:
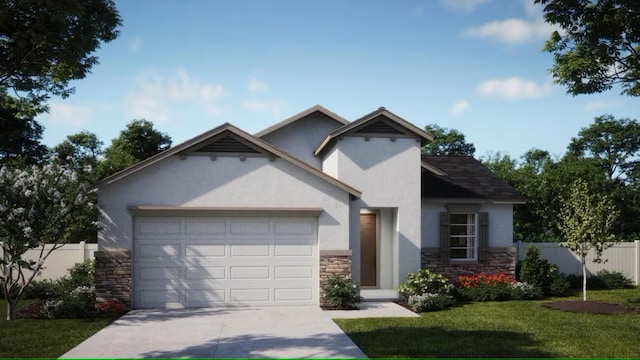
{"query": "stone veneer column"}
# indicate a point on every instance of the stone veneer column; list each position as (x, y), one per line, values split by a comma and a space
(501, 260)
(113, 276)
(332, 263)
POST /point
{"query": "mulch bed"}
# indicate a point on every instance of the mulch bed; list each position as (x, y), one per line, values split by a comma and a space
(32, 311)
(593, 307)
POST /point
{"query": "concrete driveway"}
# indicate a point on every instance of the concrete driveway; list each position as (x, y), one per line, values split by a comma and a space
(269, 332)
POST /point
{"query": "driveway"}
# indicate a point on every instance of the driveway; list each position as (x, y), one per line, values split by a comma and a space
(269, 332)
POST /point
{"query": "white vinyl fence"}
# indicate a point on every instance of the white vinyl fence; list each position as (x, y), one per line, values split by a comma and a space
(623, 257)
(62, 259)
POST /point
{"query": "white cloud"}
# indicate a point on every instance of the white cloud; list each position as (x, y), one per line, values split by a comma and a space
(274, 107)
(255, 85)
(134, 45)
(512, 31)
(160, 99)
(463, 4)
(69, 115)
(597, 105)
(513, 88)
(459, 107)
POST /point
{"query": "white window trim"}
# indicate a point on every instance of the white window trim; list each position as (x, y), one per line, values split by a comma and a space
(474, 247)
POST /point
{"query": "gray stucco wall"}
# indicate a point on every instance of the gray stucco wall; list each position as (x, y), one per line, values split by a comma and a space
(301, 137)
(500, 224)
(198, 181)
(388, 174)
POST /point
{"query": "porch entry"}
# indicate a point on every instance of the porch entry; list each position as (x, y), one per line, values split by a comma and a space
(368, 251)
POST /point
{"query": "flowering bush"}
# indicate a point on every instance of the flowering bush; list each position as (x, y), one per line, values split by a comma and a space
(424, 282)
(430, 302)
(495, 287)
(342, 292)
(79, 303)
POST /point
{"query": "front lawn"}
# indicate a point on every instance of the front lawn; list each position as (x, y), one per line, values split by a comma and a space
(503, 329)
(43, 338)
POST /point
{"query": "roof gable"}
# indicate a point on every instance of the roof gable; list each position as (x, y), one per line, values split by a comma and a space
(340, 121)
(224, 140)
(380, 122)
(464, 177)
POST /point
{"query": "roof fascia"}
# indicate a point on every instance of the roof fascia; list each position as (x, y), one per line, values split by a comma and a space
(432, 169)
(300, 115)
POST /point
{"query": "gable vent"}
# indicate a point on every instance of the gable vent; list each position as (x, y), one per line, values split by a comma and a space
(379, 127)
(227, 144)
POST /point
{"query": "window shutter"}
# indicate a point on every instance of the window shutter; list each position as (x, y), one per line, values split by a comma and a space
(483, 236)
(445, 244)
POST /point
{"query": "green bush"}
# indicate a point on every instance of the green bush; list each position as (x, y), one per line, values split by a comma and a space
(560, 287)
(537, 271)
(525, 291)
(424, 282)
(342, 293)
(485, 292)
(430, 302)
(79, 303)
(43, 289)
(613, 280)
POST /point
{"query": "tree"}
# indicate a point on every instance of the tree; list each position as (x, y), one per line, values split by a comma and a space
(21, 133)
(447, 142)
(137, 142)
(81, 152)
(46, 44)
(598, 47)
(613, 143)
(586, 220)
(39, 205)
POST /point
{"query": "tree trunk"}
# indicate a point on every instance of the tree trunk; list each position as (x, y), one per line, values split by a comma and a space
(584, 274)
(11, 307)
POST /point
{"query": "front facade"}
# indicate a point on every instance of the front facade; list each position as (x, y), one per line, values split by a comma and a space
(233, 219)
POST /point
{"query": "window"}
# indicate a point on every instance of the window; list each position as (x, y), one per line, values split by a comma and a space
(463, 236)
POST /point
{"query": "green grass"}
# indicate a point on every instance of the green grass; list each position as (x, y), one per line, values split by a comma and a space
(503, 329)
(43, 338)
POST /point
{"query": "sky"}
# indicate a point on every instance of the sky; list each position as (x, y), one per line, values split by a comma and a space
(472, 65)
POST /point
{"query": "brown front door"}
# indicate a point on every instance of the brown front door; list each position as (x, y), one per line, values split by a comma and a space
(368, 250)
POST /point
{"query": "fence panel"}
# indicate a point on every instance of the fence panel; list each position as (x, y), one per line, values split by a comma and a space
(623, 257)
(61, 259)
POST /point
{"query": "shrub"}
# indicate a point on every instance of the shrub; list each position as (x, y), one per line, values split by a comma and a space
(79, 303)
(537, 271)
(494, 287)
(525, 291)
(559, 286)
(342, 293)
(424, 282)
(430, 302)
(613, 279)
(43, 289)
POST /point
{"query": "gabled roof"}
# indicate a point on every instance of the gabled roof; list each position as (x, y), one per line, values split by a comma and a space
(230, 139)
(378, 122)
(464, 177)
(317, 108)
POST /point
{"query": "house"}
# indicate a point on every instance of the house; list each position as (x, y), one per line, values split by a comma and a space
(230, 218)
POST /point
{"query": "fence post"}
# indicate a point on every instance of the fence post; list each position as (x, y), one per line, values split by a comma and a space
(83, 251)
(637, 242)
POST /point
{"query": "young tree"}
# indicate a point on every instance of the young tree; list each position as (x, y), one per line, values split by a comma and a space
(599, 46)
(46, 44)
(39, 206)
(586, 220)
(137, 142)
(447, 142)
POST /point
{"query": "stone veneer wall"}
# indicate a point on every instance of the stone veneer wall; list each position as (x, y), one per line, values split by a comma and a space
(113, 276)
(501, 260)
(331, 265)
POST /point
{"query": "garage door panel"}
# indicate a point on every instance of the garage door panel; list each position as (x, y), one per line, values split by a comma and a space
(293, 294)
(205, 250)
(293, 272)
(225, 261)
(157, 227)
(205, 272)
(293, 250)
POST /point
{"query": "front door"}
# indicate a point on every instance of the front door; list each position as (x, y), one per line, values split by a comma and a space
(368, 250)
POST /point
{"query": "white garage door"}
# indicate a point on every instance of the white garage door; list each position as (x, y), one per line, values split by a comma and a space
(236, 261)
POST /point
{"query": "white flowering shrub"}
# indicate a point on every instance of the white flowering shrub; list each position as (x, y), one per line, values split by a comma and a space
(430, 302)
(39, 205)
(341, 292)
